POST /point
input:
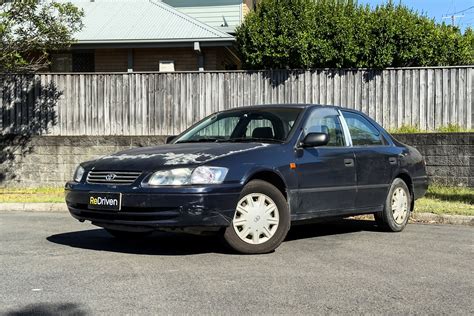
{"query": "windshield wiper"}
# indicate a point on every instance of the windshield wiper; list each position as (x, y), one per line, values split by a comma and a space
(231, 140)
(200, 140)
(254, 139)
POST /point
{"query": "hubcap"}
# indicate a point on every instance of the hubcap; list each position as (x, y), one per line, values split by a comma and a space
(256, 218)
(399, 205)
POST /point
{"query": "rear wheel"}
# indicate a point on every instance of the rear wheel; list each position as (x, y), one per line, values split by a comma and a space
(261, 220)
(397, 207)
(121, 234)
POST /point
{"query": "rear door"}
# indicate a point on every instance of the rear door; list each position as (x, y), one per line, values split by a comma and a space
(375, 161)
(326, 174)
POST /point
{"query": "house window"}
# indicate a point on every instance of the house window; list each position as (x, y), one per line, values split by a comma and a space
(166, 65)
(61, 62)
(83, 61)
(228, 66)
(73, 62)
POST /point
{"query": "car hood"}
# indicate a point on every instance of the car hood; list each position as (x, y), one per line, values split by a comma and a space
(151, 158)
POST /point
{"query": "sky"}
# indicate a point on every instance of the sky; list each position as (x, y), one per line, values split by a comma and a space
(438, 9)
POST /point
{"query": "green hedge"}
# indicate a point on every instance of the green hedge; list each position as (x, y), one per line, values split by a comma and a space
(342, 34)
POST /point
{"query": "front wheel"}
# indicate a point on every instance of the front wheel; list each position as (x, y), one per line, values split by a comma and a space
(397, 207)
(261, 220)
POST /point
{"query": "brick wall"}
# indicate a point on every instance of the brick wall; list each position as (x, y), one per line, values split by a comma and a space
(51, 160)
(449, 156)
(107, 60)
(148, 59)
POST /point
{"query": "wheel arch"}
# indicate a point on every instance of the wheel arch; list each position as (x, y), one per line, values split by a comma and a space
(271, 177)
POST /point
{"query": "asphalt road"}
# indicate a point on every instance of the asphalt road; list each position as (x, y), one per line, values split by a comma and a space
(52, 264)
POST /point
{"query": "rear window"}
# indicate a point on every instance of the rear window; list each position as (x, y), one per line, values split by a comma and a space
(363, 133)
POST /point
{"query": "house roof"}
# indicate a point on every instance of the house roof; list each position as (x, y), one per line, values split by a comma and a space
(141, 21)
(224, 15)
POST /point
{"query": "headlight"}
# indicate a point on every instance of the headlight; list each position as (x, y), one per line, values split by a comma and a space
(78, 174)
(205, 175)
(171, 177)
(183, 176)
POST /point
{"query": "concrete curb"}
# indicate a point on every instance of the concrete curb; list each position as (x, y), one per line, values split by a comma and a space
(33, 207)
(442, 219)
(428, 218)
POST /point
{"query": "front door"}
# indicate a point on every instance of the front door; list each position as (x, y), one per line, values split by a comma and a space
(326, 174)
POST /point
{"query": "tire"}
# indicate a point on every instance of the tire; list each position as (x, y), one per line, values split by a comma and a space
(397, 208)
(126, 235)
(260, 227)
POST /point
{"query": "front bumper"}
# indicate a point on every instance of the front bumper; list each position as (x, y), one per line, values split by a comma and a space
(143, 209)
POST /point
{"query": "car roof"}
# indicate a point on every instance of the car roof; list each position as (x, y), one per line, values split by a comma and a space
(284, 105)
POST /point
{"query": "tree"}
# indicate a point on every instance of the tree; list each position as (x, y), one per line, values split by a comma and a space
(29, 29)
(342, 33)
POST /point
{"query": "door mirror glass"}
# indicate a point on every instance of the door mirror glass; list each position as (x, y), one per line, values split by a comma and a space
(315, 140)
(169, 139)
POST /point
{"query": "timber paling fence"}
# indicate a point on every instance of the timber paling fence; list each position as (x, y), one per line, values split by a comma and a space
(98, 104)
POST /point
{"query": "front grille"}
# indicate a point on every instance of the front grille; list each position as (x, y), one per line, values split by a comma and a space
(112, 177)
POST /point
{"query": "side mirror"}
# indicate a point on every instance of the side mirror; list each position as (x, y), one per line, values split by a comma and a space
(315, 140)
(169, 139)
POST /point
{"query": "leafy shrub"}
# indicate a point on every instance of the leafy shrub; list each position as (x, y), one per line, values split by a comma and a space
(411, 129)
(29, 29)
(406, 129)
(450, 128)
(335, 33)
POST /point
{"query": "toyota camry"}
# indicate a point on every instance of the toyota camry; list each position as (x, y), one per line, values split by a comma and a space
(250, 173)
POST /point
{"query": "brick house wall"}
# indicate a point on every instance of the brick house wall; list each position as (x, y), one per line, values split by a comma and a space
(111, 60)
(147, 59)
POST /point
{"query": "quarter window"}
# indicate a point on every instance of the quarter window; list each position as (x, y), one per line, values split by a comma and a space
(363, 133)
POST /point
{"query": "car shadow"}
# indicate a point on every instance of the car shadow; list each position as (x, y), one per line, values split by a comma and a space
(49, 309)
(329, 227)
(176, 244)
(160, 243)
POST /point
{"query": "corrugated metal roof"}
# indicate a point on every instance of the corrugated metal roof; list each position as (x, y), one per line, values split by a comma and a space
(216, 16)
(224, 15)
(133, 21)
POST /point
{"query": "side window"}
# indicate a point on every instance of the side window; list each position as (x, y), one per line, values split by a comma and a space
(326, 121)
(363, 133)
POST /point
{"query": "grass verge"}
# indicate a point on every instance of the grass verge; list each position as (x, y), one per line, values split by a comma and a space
(438, 199)
(31, 195)
(447, 200)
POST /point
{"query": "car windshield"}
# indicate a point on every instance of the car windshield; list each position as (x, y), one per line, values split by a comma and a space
(246, 125)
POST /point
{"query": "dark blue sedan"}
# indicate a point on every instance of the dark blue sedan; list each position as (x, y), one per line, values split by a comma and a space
(250, 173)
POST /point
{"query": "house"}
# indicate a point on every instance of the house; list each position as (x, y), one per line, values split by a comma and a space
(224, 15)
(142, 35)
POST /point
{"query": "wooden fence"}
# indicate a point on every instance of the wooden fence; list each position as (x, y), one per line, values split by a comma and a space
(167, 103)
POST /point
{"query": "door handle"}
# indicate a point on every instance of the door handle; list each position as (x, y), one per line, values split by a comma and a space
(393, 160)
(349, 162)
